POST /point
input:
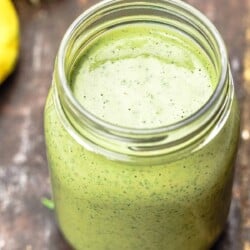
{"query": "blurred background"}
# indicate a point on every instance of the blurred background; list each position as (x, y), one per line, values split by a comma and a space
(25, 223)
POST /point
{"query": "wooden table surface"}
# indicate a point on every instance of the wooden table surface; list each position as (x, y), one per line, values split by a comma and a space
(25, 224)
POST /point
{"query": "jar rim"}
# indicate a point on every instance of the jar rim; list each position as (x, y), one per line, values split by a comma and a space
(142, 131)
(125, 143)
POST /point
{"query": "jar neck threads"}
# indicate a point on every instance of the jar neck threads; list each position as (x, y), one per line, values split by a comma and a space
(123, 143)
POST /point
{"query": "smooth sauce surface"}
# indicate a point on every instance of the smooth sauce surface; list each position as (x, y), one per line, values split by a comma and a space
(142, 76)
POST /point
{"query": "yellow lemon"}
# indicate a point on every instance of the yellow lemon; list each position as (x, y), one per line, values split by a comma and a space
(9, 38)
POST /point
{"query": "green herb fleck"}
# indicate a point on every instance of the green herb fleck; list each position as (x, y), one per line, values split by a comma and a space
(48, 203)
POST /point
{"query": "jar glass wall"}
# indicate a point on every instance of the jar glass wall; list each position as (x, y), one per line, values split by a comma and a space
(124, 187)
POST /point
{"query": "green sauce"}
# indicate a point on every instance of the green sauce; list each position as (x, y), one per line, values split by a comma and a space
(141, 76)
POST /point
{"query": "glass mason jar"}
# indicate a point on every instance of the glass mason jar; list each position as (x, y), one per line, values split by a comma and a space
(161, 188)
